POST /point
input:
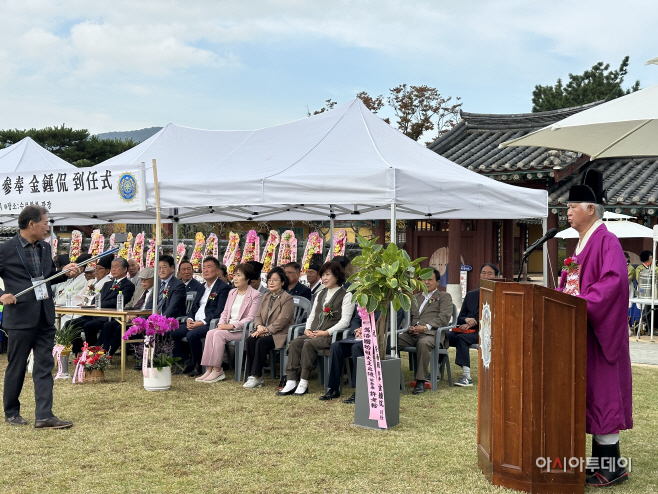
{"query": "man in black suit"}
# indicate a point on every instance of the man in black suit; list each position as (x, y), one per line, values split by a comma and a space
(109, 293)
(468, 327)
(186, 273)
(30, 320)
(208, 305)
(171, 292)
(110, 337)
(296, 289)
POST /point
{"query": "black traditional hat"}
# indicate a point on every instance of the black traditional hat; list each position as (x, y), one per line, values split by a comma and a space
(316, 262)
(105, 262)
(342, 260)
(258, 267)
(590, 188)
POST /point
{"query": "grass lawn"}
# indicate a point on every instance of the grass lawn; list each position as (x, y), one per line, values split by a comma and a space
(222, 438)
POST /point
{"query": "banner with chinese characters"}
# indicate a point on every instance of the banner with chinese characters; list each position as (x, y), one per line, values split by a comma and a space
(95, 189)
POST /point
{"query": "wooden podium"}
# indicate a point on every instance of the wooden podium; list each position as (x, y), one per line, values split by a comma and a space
(531, 392)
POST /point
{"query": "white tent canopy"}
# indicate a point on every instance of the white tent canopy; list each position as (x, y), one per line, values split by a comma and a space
(27, 156)
(346, 161)
(625, 126)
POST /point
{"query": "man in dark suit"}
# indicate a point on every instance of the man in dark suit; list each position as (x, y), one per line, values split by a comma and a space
(208, 305)
(109, 293)
(296, 289)
(428, 313)
(171, 292)
(30, 320)
(110, 337)
(186, 273)
(468, 327)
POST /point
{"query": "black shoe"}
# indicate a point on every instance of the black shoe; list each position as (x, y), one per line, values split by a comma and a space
(285, 393)
(17, 420)
(609, 470)
(52, 423)
(350, 400)
(332, 394)
(593, 464)
(420, 388)
(196, 371)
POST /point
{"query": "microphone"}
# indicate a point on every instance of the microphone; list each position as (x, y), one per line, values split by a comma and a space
(549, 235)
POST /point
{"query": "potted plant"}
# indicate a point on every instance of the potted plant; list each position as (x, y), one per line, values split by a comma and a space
(156, 349)
(385, 277)
(64, 337)
(95, 362)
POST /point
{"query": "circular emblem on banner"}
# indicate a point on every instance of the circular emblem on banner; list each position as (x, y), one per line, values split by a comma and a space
(485, 335)
(127, 187)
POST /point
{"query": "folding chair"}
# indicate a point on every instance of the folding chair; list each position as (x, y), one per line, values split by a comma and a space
(436, 352)
(302, 311)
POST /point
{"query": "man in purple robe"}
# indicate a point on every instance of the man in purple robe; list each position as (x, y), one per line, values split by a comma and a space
(603, 283)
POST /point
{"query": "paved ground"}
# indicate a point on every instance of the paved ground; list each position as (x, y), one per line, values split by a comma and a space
(644, 351)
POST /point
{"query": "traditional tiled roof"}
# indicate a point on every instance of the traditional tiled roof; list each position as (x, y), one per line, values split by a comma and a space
(629, 182)
(474, 144)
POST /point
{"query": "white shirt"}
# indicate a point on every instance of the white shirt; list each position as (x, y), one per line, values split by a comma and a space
(201, 313)
(235, 308)
(581, 245)
(347, 309)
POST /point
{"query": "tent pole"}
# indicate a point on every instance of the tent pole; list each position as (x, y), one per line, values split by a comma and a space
(158, 238)
(331, 232)
(653, 278)
(544, 227)
(174, 224)
(392, 314)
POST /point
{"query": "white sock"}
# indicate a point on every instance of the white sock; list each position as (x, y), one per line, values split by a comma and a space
(290, 385)
(606, 439)
(303, 384)
(467, 372)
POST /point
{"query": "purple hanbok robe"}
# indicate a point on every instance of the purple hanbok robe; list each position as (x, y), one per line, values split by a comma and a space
(604, 284)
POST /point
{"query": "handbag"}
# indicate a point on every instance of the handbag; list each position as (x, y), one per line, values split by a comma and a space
(458, 329)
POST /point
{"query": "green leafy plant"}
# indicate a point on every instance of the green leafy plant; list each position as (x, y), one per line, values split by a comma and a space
(386, 276)
(67, 333)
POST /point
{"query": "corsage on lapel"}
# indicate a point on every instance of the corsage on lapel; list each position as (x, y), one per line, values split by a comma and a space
(212, 296)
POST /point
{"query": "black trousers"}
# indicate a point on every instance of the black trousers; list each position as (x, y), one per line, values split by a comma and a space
(257, 351)
(90, 326)
(41, 340)
(339, 350)
(110, 337)
(462, 342)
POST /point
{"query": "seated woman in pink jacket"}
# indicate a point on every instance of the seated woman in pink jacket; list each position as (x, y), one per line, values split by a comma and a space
(241, 307)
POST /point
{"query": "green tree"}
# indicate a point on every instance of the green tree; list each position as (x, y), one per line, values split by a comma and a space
(73, 145)
(419, 109)
(598, 83)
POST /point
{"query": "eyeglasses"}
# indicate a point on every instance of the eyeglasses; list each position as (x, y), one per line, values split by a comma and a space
(272, 280)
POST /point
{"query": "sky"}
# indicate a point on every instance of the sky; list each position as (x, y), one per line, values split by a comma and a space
(222, 64)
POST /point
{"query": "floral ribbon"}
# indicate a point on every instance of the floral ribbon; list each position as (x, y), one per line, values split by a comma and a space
(80, 366)
(180, 253)
(212, 248)
(313, 246)
(373, 368)
(340, 236)
(197, 253)
(145, 357)
(268, 259)
(57, 353)
(232, 254)
(286, 248)
(251, 247)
